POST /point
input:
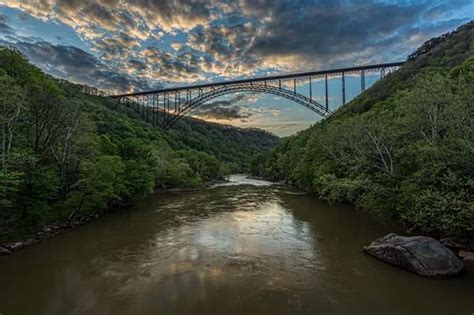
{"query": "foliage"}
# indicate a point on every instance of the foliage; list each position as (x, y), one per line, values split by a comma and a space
(403, 149)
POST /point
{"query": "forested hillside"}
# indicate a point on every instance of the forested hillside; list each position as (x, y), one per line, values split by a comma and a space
(403, 149)
(64, 154)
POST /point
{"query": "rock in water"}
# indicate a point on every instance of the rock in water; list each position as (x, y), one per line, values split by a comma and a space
(420, 254)
(4, 251)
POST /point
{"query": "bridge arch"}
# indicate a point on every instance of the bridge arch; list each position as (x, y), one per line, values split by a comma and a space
(247, 87)
(166, 110)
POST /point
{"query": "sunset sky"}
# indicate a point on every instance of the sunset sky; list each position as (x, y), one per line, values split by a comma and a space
(121, 46)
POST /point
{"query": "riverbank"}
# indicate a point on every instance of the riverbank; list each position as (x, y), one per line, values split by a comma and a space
(54, 229)
(48, 232)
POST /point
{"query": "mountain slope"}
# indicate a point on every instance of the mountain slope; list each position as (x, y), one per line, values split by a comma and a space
(404, 148)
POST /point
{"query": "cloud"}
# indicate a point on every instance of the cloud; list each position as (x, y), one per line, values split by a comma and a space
(118, 46)
(182, 67)
(296, 35)
(174, 14)
(176, 46)
(4, 28)
(138, 17)
(76, 65)
(228, 47)
(208, 40)
(332, 33)
(224, 109)
(218, 111)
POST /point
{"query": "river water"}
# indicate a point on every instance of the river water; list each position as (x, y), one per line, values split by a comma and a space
(244, 247)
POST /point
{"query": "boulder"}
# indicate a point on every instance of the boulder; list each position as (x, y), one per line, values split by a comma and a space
(16, 246)
(4, 251)
(420, 254)
(30, 241)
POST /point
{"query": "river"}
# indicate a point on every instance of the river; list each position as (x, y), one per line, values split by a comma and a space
(244, 247)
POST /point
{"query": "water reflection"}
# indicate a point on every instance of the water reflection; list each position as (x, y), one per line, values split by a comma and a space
(249, 242)
(241, 179)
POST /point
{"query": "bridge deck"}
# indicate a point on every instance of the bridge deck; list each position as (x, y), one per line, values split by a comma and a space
(270, 78)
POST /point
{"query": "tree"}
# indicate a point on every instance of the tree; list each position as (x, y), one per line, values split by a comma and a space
(100, 183)
(11, 102)
(64, 146)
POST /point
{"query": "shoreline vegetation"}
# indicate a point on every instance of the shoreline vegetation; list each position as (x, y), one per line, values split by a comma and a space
(57, 228)
(403, 149)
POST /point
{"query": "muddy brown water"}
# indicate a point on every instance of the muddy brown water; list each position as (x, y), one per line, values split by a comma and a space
(247, 247)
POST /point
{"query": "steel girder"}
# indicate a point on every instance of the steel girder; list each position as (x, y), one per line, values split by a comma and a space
(186, 107)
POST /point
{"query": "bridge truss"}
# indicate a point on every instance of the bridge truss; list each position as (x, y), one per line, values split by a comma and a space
(166, 106)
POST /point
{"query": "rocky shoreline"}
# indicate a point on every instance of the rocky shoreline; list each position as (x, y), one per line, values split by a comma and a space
(423, 255)
(55, 229)
(49, 231)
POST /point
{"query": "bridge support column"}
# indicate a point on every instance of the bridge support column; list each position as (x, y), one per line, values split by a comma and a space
(179, 100)
(175, 100)
(163, 118)
(362, 81)
(147, 107)
(141, 106)
(138, 100)
(155, 109)
(343, 89)
(167, 111)
(327, 99)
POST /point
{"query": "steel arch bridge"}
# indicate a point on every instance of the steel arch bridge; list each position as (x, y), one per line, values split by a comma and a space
(165, 107)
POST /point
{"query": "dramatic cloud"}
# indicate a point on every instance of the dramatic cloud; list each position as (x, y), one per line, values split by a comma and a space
(292, 35)
(228, 47)
(224, 109)
(138, 17)
(125, 45)
(174, 14)
(183, 66)
(198, 40)
(221, 111)
(76, 65)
